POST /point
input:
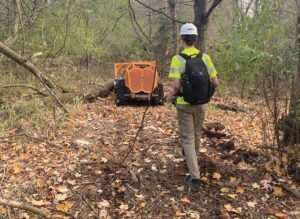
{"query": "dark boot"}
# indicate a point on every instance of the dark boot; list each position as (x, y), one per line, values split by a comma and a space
(192, 184)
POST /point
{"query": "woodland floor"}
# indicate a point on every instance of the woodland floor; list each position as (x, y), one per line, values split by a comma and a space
(80, 177)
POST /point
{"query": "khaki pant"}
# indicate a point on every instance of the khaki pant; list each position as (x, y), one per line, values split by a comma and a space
(190, 119)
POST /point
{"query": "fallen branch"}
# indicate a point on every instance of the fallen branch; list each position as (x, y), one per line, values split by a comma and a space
(32, 137)
(285, 186)
(211, 134)
(63, 212)
(34, 70)
(230, 108)
(1, 191)
(214, 125)
(90, 206)
(24, 86)
(26, 207)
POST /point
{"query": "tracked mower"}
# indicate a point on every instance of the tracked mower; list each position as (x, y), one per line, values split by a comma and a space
(136, 81)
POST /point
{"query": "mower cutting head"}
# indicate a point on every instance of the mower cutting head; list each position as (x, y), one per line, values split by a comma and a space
(137, 80)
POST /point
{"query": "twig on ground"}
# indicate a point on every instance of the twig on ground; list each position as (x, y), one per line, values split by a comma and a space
(90, 206)
(149, 207)
(63, 212)
(32, 137)
(4, 173)
(26, 207)
(233, 108)
(285, 186)
(24, 86)
(1, 191)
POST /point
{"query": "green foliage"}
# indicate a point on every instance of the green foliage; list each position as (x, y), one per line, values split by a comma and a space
(257, 45)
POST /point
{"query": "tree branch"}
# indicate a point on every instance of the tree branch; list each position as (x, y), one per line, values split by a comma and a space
(32, 137)
(212, 7)
(26, 207)
(160, 12)
(24, 86)
(34, 70)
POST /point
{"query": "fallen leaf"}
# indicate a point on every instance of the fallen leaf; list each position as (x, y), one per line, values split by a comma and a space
(204, 178)
(281, 215)
(17, 168)
(61, 197)
(39, 203)
(251, 204)
(232, 179)
(255, 186)
(279, 171)
(233, 196)
(11, 131)
(225, 190)
(103, 160)
(153, 167)
(217, 176)
(121, 189)
(2, 210)
(203, 150)
(180, 188)
(185, 200)
(62, 189)
(123, 208)
(141, 197)
(267, 184)
(103, 204)
(66, 206)
(94, 156)
(269, 165)
(142, 205)
(103, 214)
(239, 190)
(228, 207)
(71, 182)
(277, 191)
(195, 215)
(179, 213)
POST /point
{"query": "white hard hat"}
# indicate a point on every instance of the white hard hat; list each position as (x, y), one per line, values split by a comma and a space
(188, 29)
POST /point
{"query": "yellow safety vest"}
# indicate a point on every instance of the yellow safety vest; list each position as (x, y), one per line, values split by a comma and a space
(178, 67)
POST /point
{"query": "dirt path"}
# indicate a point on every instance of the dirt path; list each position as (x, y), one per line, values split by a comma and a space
(81, 177)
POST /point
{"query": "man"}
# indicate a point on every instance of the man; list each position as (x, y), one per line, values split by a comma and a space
(190, 116)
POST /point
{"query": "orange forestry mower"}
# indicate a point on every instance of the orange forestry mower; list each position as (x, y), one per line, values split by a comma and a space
(137, 81)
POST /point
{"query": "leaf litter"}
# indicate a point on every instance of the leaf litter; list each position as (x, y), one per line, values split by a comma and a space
(234, 180)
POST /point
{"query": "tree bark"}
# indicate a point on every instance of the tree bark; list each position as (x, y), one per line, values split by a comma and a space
(174, 26)
(25, 207)
(295, 103)
(294, 112)
(200, 22)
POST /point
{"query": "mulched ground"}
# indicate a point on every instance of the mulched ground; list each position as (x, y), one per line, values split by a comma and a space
(82, 176)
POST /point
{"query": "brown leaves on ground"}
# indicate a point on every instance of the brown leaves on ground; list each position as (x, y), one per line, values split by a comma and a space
(82, 175)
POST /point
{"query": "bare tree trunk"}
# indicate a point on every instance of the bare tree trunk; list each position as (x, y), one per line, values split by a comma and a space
(200, 22)
(295, 99)
(174, 32)
(290, 132)
(18, 8)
